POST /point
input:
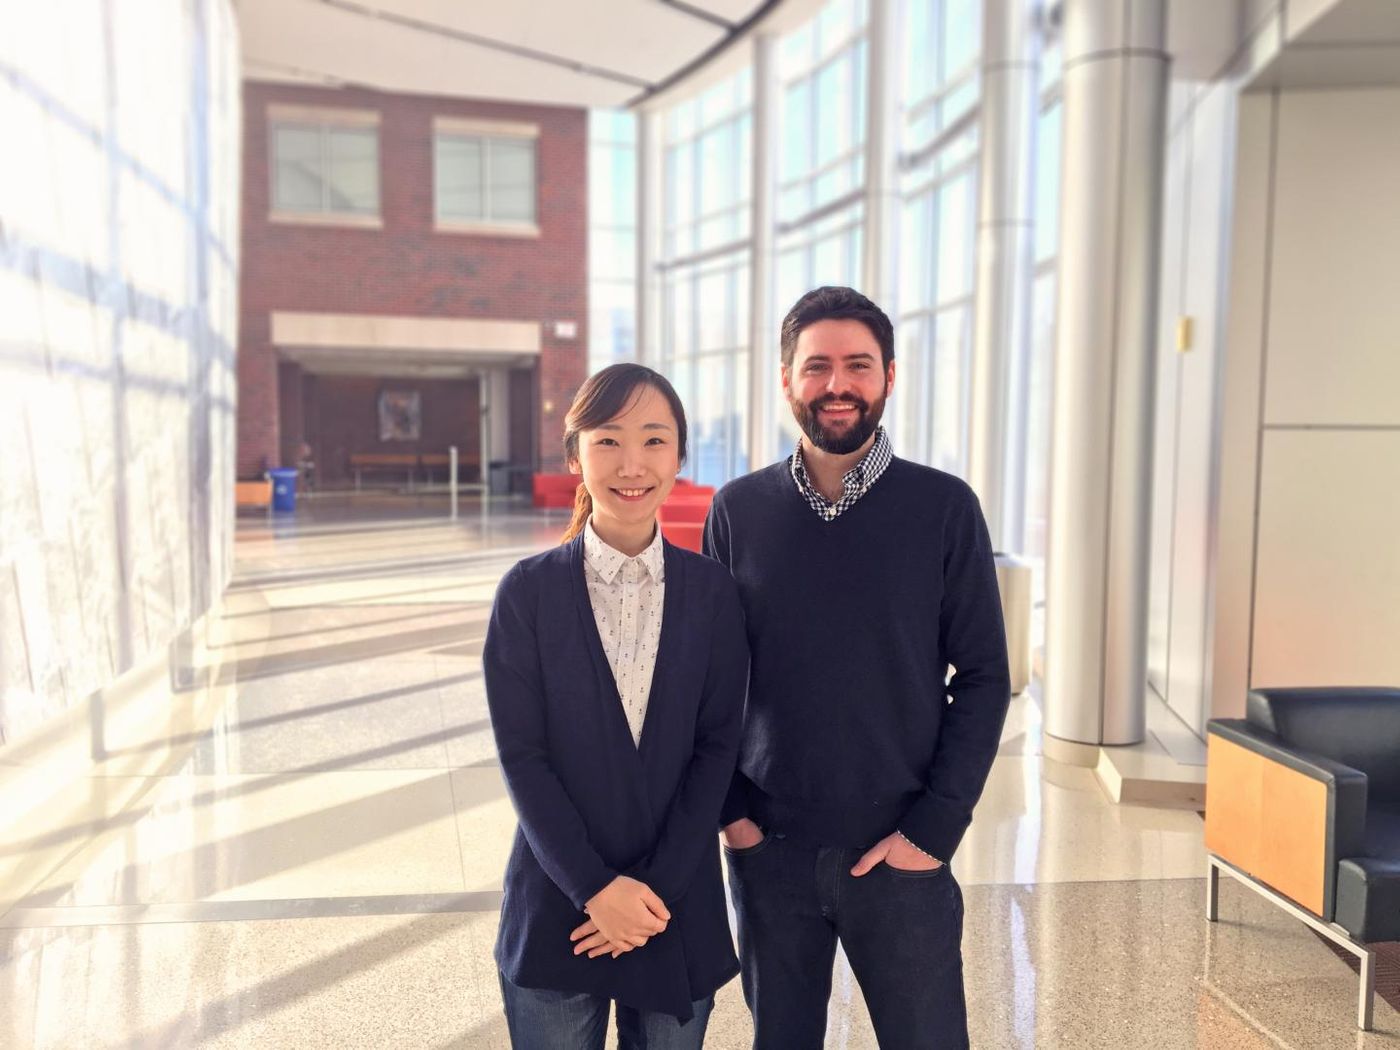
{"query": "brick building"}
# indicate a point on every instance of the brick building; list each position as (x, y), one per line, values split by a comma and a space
(414, 276)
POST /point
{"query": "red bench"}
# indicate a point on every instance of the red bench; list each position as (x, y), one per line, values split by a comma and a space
(682, 515)
(555, 490)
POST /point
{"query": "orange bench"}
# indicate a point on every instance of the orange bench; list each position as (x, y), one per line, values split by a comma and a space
(252, 494)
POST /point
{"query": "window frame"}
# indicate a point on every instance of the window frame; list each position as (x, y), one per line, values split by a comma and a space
(486, 132)
(323, 120)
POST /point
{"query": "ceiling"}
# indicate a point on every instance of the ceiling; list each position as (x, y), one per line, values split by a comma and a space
(557, 52)
(1345, 43)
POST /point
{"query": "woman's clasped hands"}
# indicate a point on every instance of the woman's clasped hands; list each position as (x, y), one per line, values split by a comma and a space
(622, 916)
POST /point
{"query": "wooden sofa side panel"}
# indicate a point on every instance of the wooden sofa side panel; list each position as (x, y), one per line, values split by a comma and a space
(1268, 820)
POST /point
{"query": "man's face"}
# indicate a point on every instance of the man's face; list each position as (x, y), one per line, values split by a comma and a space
(836, 385)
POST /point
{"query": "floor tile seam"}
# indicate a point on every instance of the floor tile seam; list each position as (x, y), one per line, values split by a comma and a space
(457, 828)
(269, 910)
(370, 570)
(259, 530)
(452, 789)
(332, 907)
(1134, 880)
(302, 771)
(466, 901)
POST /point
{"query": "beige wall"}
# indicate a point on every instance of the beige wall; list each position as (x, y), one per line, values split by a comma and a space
(1277, 453)
(1193, 286)
(1309, 552)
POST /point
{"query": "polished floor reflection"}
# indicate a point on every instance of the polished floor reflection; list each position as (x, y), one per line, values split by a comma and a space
(319, 862)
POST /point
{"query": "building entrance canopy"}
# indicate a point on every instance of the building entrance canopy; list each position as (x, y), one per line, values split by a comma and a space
(383, 345)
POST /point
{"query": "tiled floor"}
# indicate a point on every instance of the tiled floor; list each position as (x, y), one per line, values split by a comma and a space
(322, 868)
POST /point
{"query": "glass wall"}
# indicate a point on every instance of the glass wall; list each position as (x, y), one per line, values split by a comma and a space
(821, 166)
(705, 265)
(706, 247)
(612, 237)
(937, 260)
(822, 69)
(1036, 484)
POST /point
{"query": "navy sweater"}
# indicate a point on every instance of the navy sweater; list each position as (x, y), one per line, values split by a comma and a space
(593, 805)
(849, 731)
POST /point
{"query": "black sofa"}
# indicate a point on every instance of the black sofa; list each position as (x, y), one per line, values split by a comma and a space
(1303, 804)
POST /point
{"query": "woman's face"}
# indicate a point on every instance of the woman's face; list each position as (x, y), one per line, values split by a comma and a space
(629, 464)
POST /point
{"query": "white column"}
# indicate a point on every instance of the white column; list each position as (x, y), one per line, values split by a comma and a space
(880, 257)
(1115, 93)
(497, 382)
(763, 335)
(1005, 250)
(650, 175)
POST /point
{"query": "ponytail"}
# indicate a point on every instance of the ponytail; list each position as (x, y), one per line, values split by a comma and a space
(583, 507)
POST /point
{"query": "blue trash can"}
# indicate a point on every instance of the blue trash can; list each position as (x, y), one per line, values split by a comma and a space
(284, 488)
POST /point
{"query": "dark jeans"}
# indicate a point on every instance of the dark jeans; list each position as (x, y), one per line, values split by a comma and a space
(539, 1019)
(902, 932)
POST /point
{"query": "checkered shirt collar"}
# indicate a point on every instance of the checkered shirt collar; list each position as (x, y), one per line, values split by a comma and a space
(855, 484)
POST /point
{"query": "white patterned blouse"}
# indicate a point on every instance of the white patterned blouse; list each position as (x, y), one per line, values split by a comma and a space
(626, 595)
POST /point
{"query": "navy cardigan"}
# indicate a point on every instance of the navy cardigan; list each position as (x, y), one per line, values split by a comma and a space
(591, 803)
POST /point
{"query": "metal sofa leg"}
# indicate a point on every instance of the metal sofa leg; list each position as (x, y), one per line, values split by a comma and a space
(1336, 934)
(1366, 1005)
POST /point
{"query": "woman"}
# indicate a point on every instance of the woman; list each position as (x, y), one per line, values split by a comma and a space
(616, 666)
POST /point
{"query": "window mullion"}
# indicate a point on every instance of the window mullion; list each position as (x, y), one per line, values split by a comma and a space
(323, 174)
(487, 211)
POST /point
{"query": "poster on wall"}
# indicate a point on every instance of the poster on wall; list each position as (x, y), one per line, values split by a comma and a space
(400, 415)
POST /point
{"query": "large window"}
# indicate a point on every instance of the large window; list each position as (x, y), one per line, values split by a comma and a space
(324, 164)
(929, 414)
(1040, 371)
(825, 250)
(612, 237)
(707, 316)
(942, 45)
(705, 265)
(484, 174)
(822, 69)
(708, 169)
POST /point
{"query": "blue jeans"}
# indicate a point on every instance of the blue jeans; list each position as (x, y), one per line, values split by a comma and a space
(902, 932)
(540, 1019)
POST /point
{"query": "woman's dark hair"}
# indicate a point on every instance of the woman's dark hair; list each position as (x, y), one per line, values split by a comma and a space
(834, 303)
(604, 396)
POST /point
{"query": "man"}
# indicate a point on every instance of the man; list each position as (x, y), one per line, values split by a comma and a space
(863, 578)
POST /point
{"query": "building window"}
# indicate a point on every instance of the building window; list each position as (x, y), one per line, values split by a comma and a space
(325, 166)
(822, 68)
(612, 237)
(484, 176)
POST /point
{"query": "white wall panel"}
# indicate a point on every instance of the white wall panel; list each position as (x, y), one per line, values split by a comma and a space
(1326, 608)
(1175, 193)
(1203, 292)
(1334, 352)
(1242, 372)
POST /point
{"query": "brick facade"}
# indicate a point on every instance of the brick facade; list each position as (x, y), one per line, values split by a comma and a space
(407, 268)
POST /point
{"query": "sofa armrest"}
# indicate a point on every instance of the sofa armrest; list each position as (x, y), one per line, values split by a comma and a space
(1282, 815)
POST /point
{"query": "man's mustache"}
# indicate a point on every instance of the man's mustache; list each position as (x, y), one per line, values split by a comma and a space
(828, 399)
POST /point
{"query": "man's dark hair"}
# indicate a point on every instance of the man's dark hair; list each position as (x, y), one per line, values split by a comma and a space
(834, 303)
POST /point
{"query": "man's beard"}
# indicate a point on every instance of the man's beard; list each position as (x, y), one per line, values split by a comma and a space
(838, 442)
